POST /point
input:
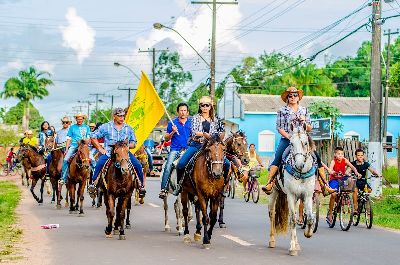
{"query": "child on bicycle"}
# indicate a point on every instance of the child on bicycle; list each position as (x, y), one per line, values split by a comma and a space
(338, 169)
(10, 159)
(362, 166)
(254, 161)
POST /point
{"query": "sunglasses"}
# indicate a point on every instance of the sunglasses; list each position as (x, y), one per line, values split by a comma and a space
(65, 122)
(293, 95)
(205, 105)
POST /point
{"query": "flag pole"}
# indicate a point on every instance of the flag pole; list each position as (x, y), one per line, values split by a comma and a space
(169, 118)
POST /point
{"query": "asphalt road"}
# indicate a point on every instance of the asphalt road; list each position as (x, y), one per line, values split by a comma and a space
(81, 240)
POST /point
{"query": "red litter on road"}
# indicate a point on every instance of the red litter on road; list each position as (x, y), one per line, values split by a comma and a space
(50, 226)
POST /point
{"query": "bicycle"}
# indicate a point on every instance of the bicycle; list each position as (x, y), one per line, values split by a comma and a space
(231, 186)
(365, 206)
(252, 186)
(5, 170)
(343, 204)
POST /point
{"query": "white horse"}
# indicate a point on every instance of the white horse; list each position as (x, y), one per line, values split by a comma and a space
(172, 183)
(298, 182)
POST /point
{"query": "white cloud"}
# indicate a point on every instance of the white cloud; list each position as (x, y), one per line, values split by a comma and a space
(78, 35)
(44, 66)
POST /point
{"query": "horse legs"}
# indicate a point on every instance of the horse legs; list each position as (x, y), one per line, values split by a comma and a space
(206, 220)
(221, 212)
(43, 180)
(81, 193)
(184, 200)
(122, 204)
(128, 213)
(294, 244)
(214, 204)
(110, 204)
(71, 190)
(272, 205)
(99, 198)
(34, 181)
(197, 234)
(66, 196)
(117, 222)
(308, 232)
(167, 227)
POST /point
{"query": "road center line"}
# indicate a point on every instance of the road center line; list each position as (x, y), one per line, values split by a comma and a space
(154, 205)
(238, 240)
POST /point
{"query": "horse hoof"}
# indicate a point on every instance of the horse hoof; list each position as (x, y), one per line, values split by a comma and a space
(186, 239)
(109, 236)
(116, 232)
(222, 225)
(141, 200)
(58, 207)
(66, 205)
(207, 246)
(81, 214)
(167, 229)
(297, 246)
(293, 252)
(52, 202)
(71, 212)
(128, 226)
(271, 244)
(122, 237)
(197, 237)
(180, 233)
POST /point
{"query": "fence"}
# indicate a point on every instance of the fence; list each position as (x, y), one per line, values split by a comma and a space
(325, 148)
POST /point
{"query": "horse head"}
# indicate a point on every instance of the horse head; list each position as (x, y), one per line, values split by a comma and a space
(83, 158)
(301, 148)
(237, 145)
(49, 143)
(120, 156)
(214, 149)
(21, 153)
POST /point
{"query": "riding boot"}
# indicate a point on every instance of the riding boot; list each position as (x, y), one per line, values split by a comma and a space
(238, 172)
(273, 171)
(64, 175)
(179, 177)
(322, 181)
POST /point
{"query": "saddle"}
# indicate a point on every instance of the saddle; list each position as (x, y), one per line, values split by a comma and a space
(71, 158)
(189, 168)
(104, 170)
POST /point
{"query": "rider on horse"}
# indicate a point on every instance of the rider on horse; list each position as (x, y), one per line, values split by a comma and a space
(30, 139)
(92, 149)
(45, 132)
(113, 132)
(61, 138)
(291, 113)
(76, 133)
(204, 125)
(178, 131)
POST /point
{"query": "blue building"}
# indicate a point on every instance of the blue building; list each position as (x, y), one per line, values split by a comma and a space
(256, 115)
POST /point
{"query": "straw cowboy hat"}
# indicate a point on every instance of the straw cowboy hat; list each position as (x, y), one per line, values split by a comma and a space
(66, 119)
(92, 124)
(28, 132)
(80, 114)
(205, 100)
(290, 90)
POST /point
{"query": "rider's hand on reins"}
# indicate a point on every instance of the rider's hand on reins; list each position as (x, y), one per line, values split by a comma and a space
(102, 151)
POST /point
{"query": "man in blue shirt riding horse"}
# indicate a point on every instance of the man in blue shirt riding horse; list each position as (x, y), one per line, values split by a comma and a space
(113, 132)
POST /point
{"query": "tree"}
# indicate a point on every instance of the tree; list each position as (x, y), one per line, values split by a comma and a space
(14, 116)
(325, 109)
(101, 115)
(2, 113)
(29, 85)
(172, 78)
(193, 102)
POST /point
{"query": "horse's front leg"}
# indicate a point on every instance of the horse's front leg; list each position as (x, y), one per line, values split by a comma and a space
(117, 222)
(185, 211)
(110, 204)
(71, 191)
(128, 213)
(124, 202)
(271, 213)
(221, 213)
(197, 234)
(167, 227)
(81, 197)
(43, 180)
(34, 181)
(203, 206)
(294, 245)
(308, 232)
(213, 215)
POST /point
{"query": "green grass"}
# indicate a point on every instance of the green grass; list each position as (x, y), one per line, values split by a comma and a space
(391, 174)
(9, 233)
(387, 209)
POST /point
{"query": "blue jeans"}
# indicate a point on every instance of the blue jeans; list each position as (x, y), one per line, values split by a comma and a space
(149, 158)
(136, 164)
(189, 153)
(168, 167)
(71, 151)
(283, 144)
(48, 161)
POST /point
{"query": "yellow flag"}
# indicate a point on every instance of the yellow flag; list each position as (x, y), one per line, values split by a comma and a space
(145, 110)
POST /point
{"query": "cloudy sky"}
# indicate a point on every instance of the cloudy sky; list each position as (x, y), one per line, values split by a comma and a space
(78, 41)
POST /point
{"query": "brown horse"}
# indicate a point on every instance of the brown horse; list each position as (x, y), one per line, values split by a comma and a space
(204, 185)
(236, 148)
(25, 165)
(37, 165)
(49, 144)
(141, 155)
(117, 184)
(79, 171)
(57, 156)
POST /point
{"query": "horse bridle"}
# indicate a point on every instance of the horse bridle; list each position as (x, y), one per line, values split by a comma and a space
(82, 160)
(305, 156)
(117, 164)
(210, 163)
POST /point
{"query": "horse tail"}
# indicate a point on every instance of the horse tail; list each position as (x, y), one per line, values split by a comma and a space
(281, 213)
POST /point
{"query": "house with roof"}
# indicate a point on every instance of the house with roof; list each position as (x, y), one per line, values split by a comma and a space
(256, 115)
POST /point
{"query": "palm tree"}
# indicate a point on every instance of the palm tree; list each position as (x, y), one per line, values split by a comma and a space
(29, 85)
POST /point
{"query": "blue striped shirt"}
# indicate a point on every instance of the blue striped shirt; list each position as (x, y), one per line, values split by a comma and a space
(112, 135)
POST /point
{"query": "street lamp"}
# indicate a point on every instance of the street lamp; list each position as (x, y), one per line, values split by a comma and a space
(161, 26)
(117, 64)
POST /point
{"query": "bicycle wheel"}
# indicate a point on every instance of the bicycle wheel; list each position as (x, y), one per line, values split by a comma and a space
(255, 193)
(233, 187)
(346, 211)
(360, 210)
(369, 214)
(248, 189)
(315, 209)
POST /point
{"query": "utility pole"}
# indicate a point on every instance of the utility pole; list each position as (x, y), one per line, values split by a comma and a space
(153, 51)
(375, 115)
(97, 102)
(213, 38)
(129, 93)
(88, 106)
(112, 103)
(386, 106)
